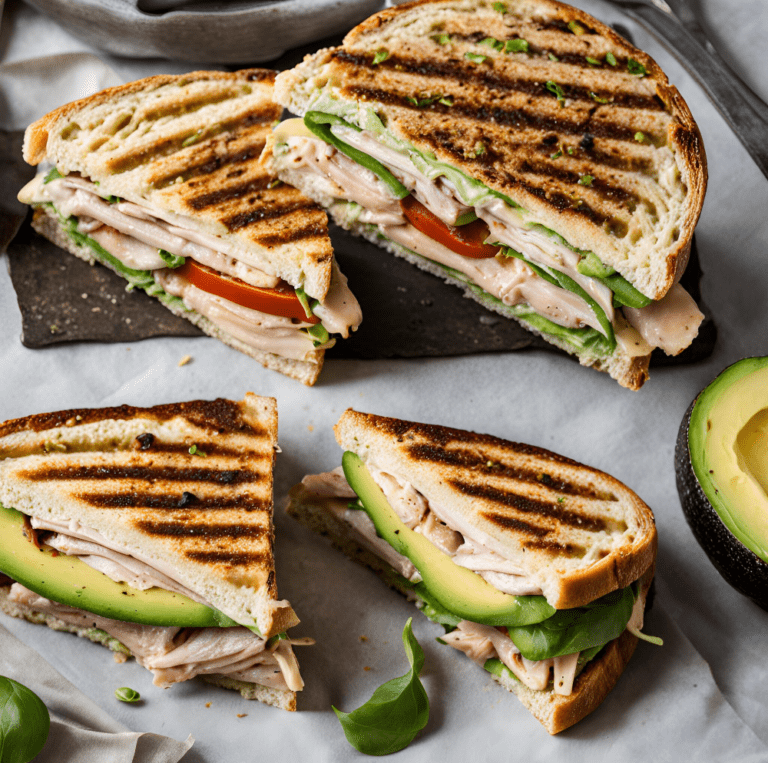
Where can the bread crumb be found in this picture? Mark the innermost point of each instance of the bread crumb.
(242, 715)
(119, 657)
(207, 704)
(310, 428)
(367, 667)
(363, 638)
(186, 359)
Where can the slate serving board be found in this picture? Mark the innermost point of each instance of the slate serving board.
(407, 313)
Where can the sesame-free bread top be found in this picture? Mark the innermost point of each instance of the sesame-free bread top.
(128, 474)
(186, 147)
(577, 532)
(610, 160)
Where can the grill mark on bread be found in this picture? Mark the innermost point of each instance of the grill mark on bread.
(209, 166)
(494, 80)
(143, 473)
(221, 195)
(206, 531)
(168, 502)
(265, 214)
(241, 559)
(143, 155)
(485, 464)
(290, 234)
(555, 548)
(527, 505)
(510, 523)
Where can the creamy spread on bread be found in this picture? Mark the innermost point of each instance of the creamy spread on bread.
(670, 323)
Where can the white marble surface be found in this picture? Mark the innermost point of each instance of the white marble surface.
(703, 696)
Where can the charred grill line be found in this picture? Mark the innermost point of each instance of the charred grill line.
(206, 531)
(253, 216)
(145, 473)
(510, 523)
(241, 559)
(485, 464)
(209, 448)
(556, 548)
(289, 235)
(228, 194)
(527, 505)
(174, 502)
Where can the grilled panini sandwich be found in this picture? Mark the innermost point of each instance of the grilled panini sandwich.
(149, 530)
(537, 566)
(521, 150)
(159, 180)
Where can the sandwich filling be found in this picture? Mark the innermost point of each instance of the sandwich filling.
(197, 272)
(172, 654)
(504, 651)
(428, 210)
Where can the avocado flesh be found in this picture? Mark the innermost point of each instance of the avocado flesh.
(67, 580)
(459, 590)
(728, 440)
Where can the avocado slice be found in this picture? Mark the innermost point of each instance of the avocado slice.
(67, 580)
(459, 590)
(721, 462)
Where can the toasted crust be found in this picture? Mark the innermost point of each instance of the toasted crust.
(554, 711)
(282, 698)
(128, 474)
(578, 532)
(187, 147)
(639, 210)
(631, 371)
(46, 223)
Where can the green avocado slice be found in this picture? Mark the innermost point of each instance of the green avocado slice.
(67, 580)
(459, 590)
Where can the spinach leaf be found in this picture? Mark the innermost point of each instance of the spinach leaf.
(578, 629)
(171, 260)
(396, 711)
(24, 722)
(320, 124)
(624, 293)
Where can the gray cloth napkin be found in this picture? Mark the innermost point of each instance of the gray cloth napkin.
(81, 732)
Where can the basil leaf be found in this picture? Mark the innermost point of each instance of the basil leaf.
(24, 722)
(171, 260)
(578, 629)
(396, 711)
(126, 694)
(320, 124)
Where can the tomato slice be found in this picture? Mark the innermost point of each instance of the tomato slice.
(281, 300)
(466, 240)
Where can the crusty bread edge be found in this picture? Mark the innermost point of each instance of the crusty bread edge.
(46, 224)
(557, 712)
(684, 134)
(285, 699)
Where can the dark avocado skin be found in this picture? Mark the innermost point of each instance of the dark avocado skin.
(740, 567)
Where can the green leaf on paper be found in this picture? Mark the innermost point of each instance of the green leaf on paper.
(24, 722)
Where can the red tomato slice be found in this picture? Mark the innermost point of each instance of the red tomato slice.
(281, 300)
(466, 240)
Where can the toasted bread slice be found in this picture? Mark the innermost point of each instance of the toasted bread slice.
(540, 102)
(187, 485)
(578, 533)
(187, 147)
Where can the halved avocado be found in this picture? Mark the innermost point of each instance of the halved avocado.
(459, 590)
(721, 462)
(67, 580)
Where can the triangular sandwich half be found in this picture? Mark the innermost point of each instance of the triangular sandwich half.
(160, 180)
(150, 530)
(537, 566)
(521, 150)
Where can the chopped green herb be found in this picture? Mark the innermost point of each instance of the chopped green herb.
(553, 87)
(610, 58)
(381, 55)
(192, 139)
(560, 499)
(639, 137)
(596, 97)
(576, 28)
(53, 174)
(412, 100)
(195, 451)
(570, 150)
(556, 155)
(275, 184)
(126, 694)
(476, 58)
(479, 148)
(516, 46)
(500, 7)
(586, 180)
(552, 57)
(636, 68)
(442, 39)
(446, 100)
(492, 42)
(593, 61)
